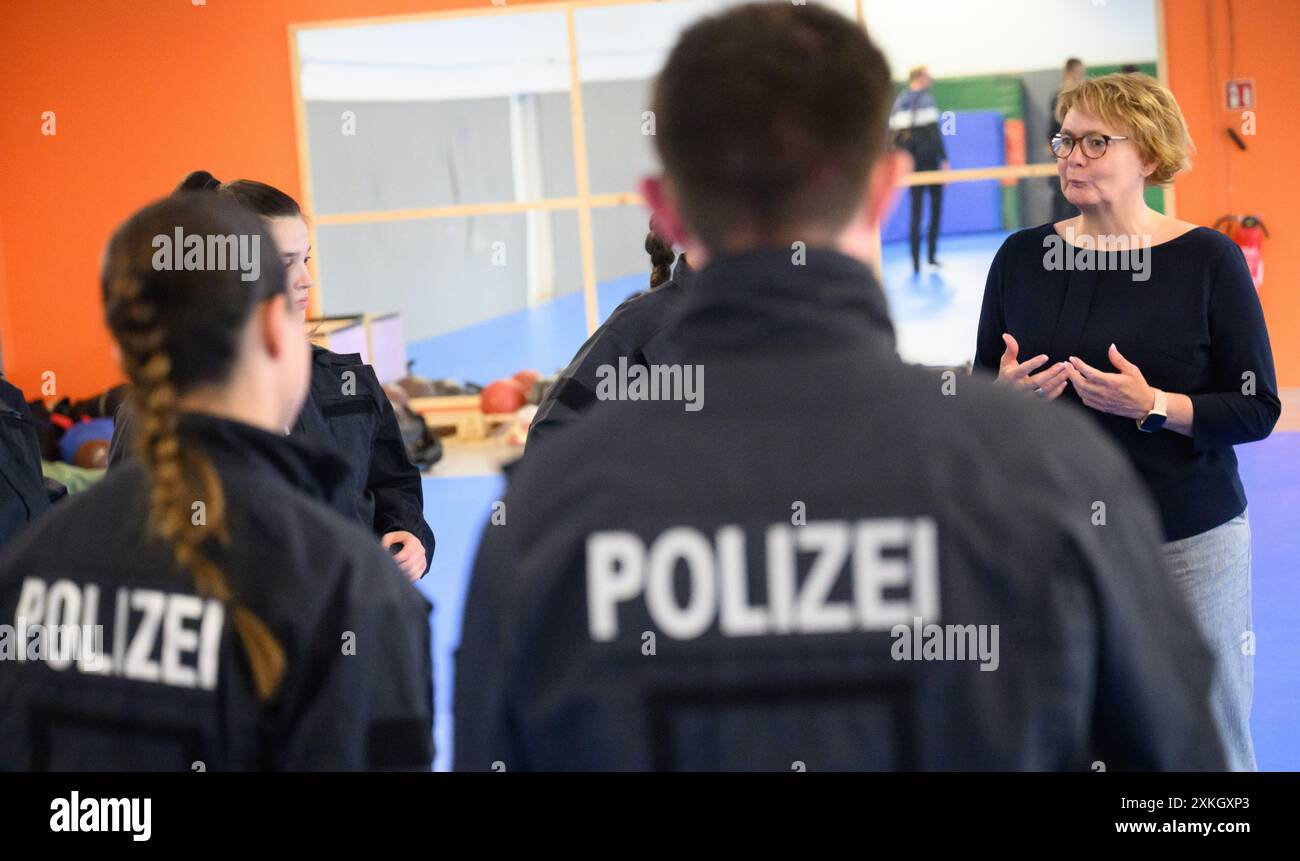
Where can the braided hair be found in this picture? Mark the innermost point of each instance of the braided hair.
(178, 329)
(661, 257)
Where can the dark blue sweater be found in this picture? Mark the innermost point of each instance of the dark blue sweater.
(1194, 327)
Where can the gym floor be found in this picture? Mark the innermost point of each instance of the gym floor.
(935, 313)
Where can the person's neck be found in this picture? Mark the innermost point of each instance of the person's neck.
(697, 256)
(1132, 218)
(810, 240)
(861, 245)
(241, 401)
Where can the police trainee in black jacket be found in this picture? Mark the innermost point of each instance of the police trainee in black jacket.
(22, 489)
(169, 687)
(346, 412)
(841, 561)
(245, 623)
(825, 494)
(632, 333)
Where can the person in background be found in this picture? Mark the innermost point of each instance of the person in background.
(23, 495)
(1073, 74)
(346, 410)
(1161, 344)
(914, 122)
(246, 624)
(634, 331)
(746, 586)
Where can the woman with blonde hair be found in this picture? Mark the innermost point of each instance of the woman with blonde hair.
(1152, 325)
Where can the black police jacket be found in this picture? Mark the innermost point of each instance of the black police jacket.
(632, 332)
(167, 685)
(346, 412)
(838, 561)
(22, 489)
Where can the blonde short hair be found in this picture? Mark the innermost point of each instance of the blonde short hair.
(1146, 111)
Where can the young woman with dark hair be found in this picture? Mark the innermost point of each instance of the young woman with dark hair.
(346, 410)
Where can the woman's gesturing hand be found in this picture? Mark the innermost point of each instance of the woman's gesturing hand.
(1019, 375)
(1124, 394)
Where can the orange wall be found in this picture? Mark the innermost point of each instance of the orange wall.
(1263, 180)
(147, 90)
(144, 91)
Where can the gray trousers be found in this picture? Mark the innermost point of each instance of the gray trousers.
(1213, 571)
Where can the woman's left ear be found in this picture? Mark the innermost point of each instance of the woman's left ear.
(276, 323)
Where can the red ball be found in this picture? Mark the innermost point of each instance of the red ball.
(502, 396)
(92, 454)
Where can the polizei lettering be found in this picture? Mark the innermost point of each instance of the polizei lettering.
(891, 563)
(170, 638)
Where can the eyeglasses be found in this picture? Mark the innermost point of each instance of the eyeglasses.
(1094, 146)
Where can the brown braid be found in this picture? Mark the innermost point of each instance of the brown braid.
(179, 474)
(661, 258)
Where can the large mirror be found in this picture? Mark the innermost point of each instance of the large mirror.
(428, 143)
(456, 179)
(996, 68)
(472, 181)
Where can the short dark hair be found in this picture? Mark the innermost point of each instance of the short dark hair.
(1072, 64)
(769, 119)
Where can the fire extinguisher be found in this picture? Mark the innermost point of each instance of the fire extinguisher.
(1249, 234)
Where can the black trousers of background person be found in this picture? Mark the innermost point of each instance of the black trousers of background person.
(914, 234)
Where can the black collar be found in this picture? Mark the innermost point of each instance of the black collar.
(325, 358)
(314, 471)
(821, 298)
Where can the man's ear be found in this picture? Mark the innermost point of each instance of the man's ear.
(883, 188)
(659, 198)
(273, 322)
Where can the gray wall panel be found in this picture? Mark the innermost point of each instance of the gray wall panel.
(410, 154)
(438, 273)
